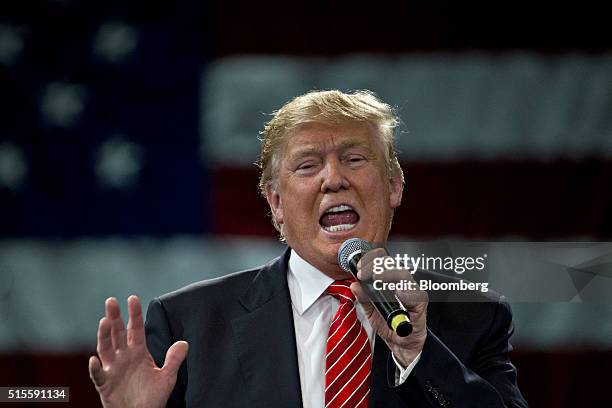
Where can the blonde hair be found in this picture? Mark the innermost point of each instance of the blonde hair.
(331, 107)
(326, 107)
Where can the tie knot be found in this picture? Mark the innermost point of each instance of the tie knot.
(341, 290)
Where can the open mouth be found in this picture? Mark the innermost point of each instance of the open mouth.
(339, 218)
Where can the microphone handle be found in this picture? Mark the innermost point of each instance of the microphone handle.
(387, 304)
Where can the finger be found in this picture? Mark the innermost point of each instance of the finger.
(135, 328)
(360, 294)
(118, 332)
(394, 275)
(375, 318)
(175, 356)
(105, 348)
(366, 263)
(412, 298)
(96, 373)
(362, 298)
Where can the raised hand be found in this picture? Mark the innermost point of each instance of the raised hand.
(124, 372)
(405, 349)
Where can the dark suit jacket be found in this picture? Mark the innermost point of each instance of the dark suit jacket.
(242, 349)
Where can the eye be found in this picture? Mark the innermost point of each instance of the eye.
(306, 167)
(355, 159)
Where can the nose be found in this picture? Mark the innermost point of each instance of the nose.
(334, 178)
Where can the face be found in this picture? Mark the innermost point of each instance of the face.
(332, 185)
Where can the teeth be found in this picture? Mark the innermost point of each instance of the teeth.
(341, 227)
(339, 208)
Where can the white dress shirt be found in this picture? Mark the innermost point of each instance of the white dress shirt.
(312, 315)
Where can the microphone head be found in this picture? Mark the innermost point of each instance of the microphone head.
(350, 248)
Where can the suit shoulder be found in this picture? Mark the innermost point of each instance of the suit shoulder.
(213, 290)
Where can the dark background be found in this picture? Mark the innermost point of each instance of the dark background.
(155, 93)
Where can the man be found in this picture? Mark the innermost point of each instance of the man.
(288, 334)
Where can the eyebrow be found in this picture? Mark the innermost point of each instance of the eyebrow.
(344, 145)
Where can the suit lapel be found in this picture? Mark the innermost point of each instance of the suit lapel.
(265, 339)
(379, 387)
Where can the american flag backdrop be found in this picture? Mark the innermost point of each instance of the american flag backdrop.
(129, 132)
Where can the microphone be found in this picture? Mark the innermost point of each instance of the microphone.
(387, 304)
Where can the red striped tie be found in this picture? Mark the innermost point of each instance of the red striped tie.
(348, 360)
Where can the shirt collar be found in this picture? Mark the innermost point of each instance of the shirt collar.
(306, 283)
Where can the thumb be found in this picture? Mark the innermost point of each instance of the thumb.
(175, 356)
(96, 373)
(361, 296)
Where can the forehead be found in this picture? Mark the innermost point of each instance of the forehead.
(318, 136)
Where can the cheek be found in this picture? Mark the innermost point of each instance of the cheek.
(300, 200)
(377, 197)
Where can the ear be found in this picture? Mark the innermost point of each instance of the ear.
(275, 202)
(396, 189)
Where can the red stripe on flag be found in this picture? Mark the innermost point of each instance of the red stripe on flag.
(529, 199)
